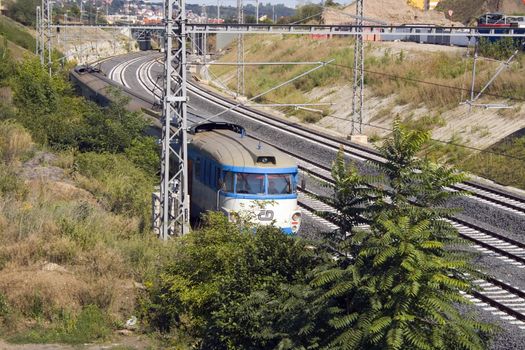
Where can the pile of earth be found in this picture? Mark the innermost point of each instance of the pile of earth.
(388, 11)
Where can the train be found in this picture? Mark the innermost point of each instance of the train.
(423, 34)
(241, 177)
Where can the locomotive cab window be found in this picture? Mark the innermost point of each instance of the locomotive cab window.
(198, 168)
(228, 182)
(280, 184)
(250, 183)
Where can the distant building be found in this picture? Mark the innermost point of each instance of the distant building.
(424, 4)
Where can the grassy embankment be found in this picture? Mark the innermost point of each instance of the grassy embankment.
(75, 182)
(73, 254)
(75, 189)
(16, 34)
(389, 74)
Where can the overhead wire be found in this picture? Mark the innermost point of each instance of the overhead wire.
(419, 81)
(457, 88)
(451, 143)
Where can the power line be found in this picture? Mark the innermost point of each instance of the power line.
(393, 76)
(439, 141)
(432, 139)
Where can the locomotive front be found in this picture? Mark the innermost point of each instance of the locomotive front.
(262, 195)
(243, 178)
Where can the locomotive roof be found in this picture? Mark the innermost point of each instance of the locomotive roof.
(230, 148)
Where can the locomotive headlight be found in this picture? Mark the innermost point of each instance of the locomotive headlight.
(296, 217)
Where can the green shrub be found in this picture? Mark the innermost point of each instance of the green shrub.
(144, 152)
(500, 49)
(16, 33)
(225, 286)
(119, 184)
(90, 325)
(47, 107)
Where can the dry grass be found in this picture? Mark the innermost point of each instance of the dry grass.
(387, 73)
(15, 142)
(62, 249)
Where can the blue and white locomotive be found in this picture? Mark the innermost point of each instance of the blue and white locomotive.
(232, 173)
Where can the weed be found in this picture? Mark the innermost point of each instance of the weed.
(424, 123)
(15, 142)
(90, 325)
(381, 114)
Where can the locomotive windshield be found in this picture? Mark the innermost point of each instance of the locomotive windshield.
(248, 183)
(279, 184)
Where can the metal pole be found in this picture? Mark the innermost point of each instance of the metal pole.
(38, 48)
(46, 33)
(174, 196)
(240, 51)
(498, 72)
(472, 86)
(357, 97)
(257, 11)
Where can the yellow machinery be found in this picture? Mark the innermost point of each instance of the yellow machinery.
(423, 4)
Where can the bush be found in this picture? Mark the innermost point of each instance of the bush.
(225, 286)
(144, 152)
(15, 142)
(90, 325)
(54, 116)
(119, 184)
(500, 49)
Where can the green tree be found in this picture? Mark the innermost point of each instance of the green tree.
(397, 287)
(353, 197)
(308, 12)
(23, 11)
(402, 292)
(414, 187)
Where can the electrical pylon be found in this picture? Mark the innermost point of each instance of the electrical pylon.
(39, 49)
(46, 33)
(359, 76)
(240, 51)
(173, 201)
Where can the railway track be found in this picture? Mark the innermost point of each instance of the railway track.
(492, 195)
(482, 238)
(493, 295)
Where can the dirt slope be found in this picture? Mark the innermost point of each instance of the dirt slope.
(467, 11)
(389, 11)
